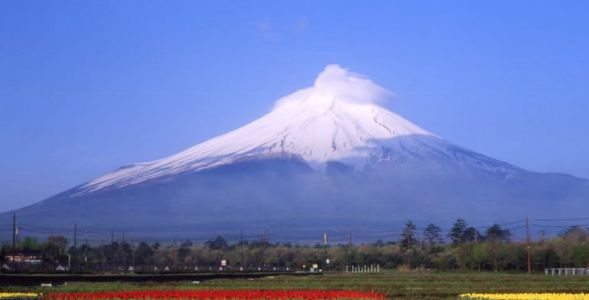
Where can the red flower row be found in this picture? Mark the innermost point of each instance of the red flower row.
(218, 294)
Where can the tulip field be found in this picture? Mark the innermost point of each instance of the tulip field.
(217, 294)
(198, 294)
(525, 296)
(385, 285)
(19, 295)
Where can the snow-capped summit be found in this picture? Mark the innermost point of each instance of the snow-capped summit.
(339, 119)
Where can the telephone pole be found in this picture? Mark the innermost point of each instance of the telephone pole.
(351, 256)
(350, 240)
(14, 233)
(85, 247)
(75, 248)
(112, 251)
(528, 246)
(241, 249)
(409, 251)
(325, 250)
(75, 236)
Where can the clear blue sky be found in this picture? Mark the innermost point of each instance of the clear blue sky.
(88, 86)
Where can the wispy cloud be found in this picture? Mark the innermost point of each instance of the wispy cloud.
(276, 30)
(266, 29)
(301, 24)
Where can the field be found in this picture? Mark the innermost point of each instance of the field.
(395, 285)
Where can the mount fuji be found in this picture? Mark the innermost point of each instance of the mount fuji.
(325, 158)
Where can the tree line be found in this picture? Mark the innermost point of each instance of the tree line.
(463, 248)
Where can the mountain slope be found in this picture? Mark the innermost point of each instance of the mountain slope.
(335, 120)
(326, 157)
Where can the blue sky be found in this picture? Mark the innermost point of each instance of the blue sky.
(88, 86)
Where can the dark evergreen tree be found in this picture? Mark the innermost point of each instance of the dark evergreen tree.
(496, 233)
(217, 243)
(408, 235)
(433, 235)
(470, 235)
(457, 231)
(143, 254)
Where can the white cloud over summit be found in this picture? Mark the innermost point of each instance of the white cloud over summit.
(341, 85)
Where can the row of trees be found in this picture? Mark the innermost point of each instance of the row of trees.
(466, 249)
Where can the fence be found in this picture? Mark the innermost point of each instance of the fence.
(567, 271)
(363, 269)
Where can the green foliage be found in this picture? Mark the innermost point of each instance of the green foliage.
(433, 235)
(217, 243)
(580, 255)
(494, 251)
(497, 234)
(408, 236)
(30, 243)
(144, 254)
(457, 231)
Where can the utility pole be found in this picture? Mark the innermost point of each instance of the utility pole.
(325, 250)
(476, 236)
(528, 246)
(102, 255)
(75, 248)
(350, 249)
(111, 250)
(543, 246)
(85, 249)
(124, 260)
(409, 251)
(14, 233)
(350, 241)
(132, 246)
(241, 249)
(75, 236)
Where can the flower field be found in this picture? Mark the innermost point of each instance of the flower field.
(217, 294)
(526, 296)
(395, 285)
(8, 295)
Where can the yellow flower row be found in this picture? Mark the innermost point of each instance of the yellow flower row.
(5, 295)
(527, 296)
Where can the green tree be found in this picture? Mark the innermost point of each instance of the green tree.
(408, 240)
(217, 243)
(184, 252)
(470, 235)
(433, 235)
(408, 236)
(457, 231)
(478, 255)
(580, 255)
(53, 252)
(497, 234)
(30, 243)
(143, 254)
